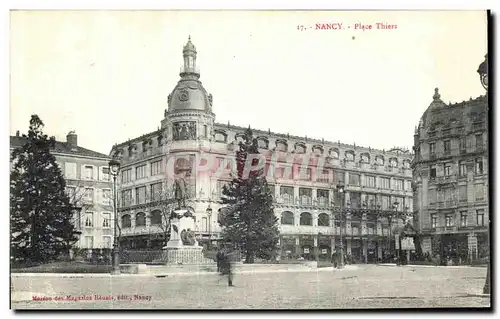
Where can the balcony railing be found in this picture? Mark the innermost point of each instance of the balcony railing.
(446, 229)
(445, 179)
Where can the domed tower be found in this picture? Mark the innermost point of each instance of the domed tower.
(189, 115)
(187, 128)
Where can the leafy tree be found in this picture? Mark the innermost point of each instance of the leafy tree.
(249, 219)
(41, 212)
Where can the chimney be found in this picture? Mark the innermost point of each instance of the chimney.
(72, 139)
(17, 133)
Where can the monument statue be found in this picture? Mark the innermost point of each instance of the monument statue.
(184, 131)
(187, 237)
(181, 191)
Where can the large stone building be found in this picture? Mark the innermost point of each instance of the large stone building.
(303, 172)
(88, 184)
(450, 172)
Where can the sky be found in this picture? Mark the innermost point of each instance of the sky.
(107, 74)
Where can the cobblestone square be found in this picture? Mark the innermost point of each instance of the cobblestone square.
(366, 286)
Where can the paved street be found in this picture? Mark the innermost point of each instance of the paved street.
(365, 287)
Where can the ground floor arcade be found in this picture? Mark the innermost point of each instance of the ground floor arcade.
(358, 249)
(457, 247)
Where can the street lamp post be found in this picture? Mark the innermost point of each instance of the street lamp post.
(114, 167)
(379, 242)
(483, 77)
(340, 188)
(397, 247)
(209, 214)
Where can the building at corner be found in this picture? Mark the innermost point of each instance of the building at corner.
(304, 190)
(86, 173)
(450, 172)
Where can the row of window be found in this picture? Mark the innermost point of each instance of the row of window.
(155, 219)
(450, 219)
(91, 219)
(357, 200)
(143, 194)
(88, 194)
(156, 168)
(306, 219)
(301, 148)
(88, 242)
(447, 130)
(447, 147)
(449, 194)
(462, 169)
(140, 219)
(88, 172)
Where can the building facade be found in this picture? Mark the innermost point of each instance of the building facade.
(450, 172)
(303, 172)
(88, 184)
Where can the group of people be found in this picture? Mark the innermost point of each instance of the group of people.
(223, 258)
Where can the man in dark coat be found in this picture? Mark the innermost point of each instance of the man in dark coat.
(225, 266)
(334, 259)
(218, 258)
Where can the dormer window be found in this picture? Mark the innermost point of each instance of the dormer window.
(379, 160)
(317, 149)
(334, 153)
(365, 158)
(262, 143)
(300, 148)
(220, 136)
(239, 138)
(393, 162)
(349, 156)
(281, 146)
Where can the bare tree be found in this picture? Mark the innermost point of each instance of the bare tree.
(165, 203)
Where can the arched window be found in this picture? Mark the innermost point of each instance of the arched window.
(126, 221)
(379, 159)
(281, 146)
(393, 162)
(140, 219)
(334, 152)
(317, 149)
(323, 220)
(349, 156)
(300, 148)
(406, 163)
(365, 158)
(306, 219)
(287, 218)
(262, 142)
(220, 136)
(156, 217)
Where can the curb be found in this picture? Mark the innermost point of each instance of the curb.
(178, 274)
(431, 266)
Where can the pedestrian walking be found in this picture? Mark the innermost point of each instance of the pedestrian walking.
(226, 266)
(218, 258)
(334, 259)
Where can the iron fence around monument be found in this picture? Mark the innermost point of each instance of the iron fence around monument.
(143, 256)
(160, 256)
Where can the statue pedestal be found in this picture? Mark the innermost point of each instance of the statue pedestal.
(182, 248)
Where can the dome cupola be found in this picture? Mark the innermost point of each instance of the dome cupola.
(189, 93)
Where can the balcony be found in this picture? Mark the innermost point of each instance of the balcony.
(446, 229)
(449, 204)
(184, 69)
(445, 179)
(143, 155)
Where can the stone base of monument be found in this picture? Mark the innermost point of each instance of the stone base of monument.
(182, 248)
(186, 255)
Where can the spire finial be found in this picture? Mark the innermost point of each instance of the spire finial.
(436, 96)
